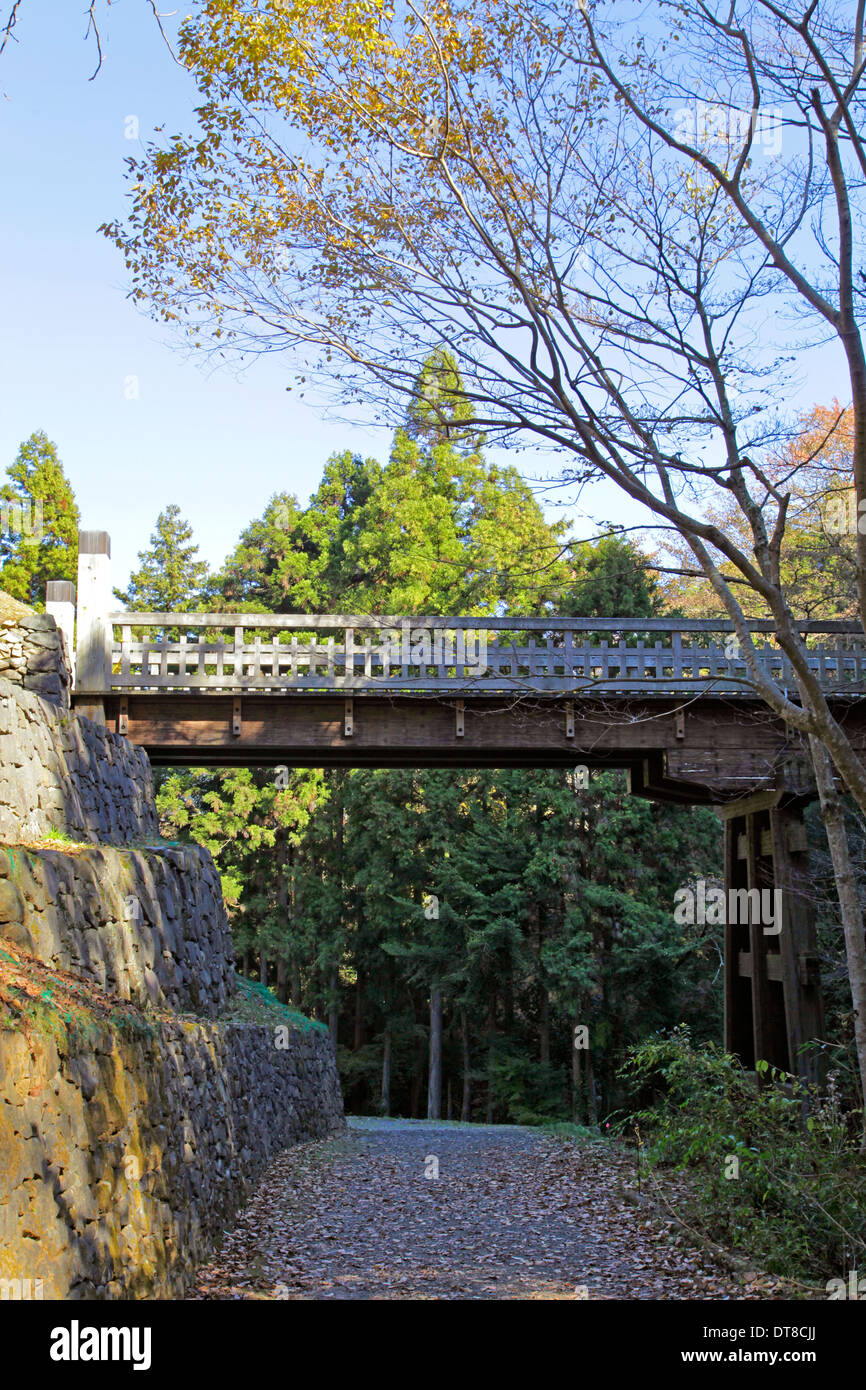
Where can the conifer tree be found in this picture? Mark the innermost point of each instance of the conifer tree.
(38, 522)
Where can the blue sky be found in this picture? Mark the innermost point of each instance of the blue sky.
(217, 444)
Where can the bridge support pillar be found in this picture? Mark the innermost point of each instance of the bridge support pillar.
(773, 999)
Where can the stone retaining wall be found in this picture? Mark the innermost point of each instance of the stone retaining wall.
(33, 656)
(143, 925)
(126, 1146)
(122, 1163)
(62, 772)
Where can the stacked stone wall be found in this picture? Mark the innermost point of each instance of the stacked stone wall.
(61, 773)
(125, 1150)
(148, 926)
(123, 1162)
(33, 656)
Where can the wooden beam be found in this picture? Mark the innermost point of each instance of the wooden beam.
(773, 964)
(569, 719)
(314, 621)
(761, 1006)
(760, 801)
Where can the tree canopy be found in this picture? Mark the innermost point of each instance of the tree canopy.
(39, 531)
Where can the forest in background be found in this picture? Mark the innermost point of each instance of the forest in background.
(455, 929)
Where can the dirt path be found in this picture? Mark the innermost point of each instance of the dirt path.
(513, 1213)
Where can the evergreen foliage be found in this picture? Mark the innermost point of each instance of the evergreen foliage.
(39, 530)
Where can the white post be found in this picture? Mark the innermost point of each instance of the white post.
(93, 644)
(60, 603)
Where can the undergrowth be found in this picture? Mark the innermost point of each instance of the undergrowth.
(37, 999)
(253, 1002)
(774, 1166)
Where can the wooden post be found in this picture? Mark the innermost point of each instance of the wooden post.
(60, 603)
(739, 1036)
(773, 1002)
(93, 638)
(804, 1006)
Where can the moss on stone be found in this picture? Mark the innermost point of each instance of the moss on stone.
(253, 1002)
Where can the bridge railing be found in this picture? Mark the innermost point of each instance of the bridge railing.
(231, 652)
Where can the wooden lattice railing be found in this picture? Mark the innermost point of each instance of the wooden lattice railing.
(231, 652)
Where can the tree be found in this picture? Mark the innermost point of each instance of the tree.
(439, 410)
(818, 554)
(453, 927)
(610, 576)
(170, 579)
(541, 189)
(294, 559)
(39, 527)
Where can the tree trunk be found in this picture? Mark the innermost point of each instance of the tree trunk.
(434, 1087)
(466, 1108)
(577, 1107)
(508, 1006)
(283, 912)
(417, 1081)
(544, 1026)
(543, 995)
(385, 1101)
(592, 1109)
(333, 984)
(833, 815)
(491, 1030)
(297, 1000)
(263, 968)
(333, 1009)
(358, 1040)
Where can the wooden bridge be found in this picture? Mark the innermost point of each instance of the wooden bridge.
(669, 700)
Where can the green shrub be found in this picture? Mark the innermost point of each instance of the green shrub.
(774, 1166)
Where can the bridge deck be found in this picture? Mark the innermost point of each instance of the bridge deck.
(669, 699)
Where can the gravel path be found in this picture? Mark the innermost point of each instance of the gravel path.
(513, 1213)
